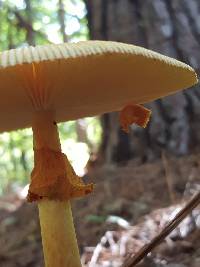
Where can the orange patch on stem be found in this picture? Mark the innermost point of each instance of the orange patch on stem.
(134, 114)
(54, 178)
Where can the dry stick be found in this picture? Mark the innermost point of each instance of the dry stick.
(133, 260)
(168, 177)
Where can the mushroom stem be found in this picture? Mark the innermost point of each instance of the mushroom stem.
(56, 221)
(58, 234)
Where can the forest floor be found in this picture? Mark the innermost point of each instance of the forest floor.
(129, 206)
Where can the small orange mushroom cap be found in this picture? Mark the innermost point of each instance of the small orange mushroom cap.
(134, 114)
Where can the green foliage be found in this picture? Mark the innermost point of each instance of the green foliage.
(42, 20)
(24, 22)
(96, 218)
(16, 157)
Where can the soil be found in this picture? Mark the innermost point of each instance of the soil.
(129, 206)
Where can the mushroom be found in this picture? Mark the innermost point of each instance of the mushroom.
(42, 85)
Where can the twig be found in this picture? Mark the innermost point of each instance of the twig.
(133, 260)
(168, 177)
(97, 252)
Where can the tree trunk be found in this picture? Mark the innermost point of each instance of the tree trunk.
(30, 34)
(61, 19)
(170, 27)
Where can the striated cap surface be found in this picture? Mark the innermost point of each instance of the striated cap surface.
(83, 79)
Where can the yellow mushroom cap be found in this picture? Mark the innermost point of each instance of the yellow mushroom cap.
(83, 79)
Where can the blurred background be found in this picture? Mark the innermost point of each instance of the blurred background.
(142, 178)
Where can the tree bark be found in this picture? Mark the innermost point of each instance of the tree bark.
(30, 34)
(61, 18)
(170, 27)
